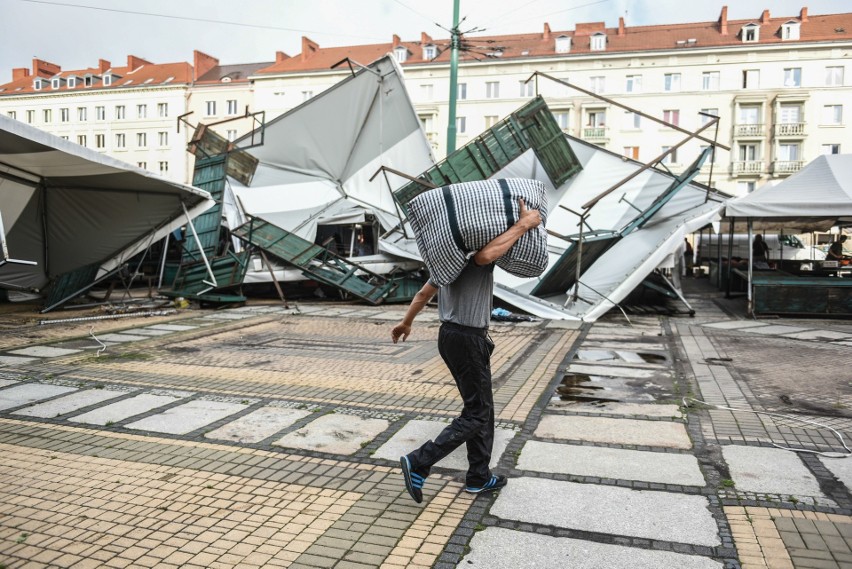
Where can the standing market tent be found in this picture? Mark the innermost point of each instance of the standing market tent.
(65, 207)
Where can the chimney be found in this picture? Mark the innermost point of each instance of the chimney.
(43, 68)
(546, 34)
(396, 40)
(621, 26)
(723, 21)
(20, 73)
(425, 39)
(134, 62)
(202, 63)
(280, 56)
(103, 65)
(803, 15)
(308, 48)
(764, 18)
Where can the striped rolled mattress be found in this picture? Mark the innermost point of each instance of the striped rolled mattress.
(453, 222)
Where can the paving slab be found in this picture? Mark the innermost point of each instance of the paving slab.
(171, 327)
(415, 433)
(565, 324)
(499, 548)
(70, 403)
(636, 346)
(147, 332)
(43, 352)
(819, 335)
(614, 431)
(777, 330)
(613, 510)
(734, 324)
(228, 316)
(15, 360)
(614, 371)
(188, 417)
(122, 337)
(336, 433)
(258, 425)
(18, 395)
(769, 471)
(619, 464)
(616, 408)
(592, 355)
(840, 467)
(7, 382)
(121, 410)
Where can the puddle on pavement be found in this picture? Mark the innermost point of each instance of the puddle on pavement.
(618, 356)
(578, 387)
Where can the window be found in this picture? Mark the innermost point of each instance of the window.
(107, 80)
(143, 165)
(598, 42)
(748, 152)
(527, 89)
(790, 114)
(672, 116)
(563, 44)
(789, 152)
(163, 138)
(141, 139)
(232, 134)
(162, 109)
(632, 120)
(211, 108)
(706, 119)
(831, 149)
(671, 82)
(64, 137)
(307, 95)
(120, 140)
(100, 141)
(81, 139)
(461, 124)
(47, 116)
(81, 113)
(751, 33)
(71, 82)
(164, 167)
(141, 111)
(30, 117)
(597, 118)
(710, 81)
(38, 84)
(55, 83)
(64, 114)
(428, 123)
(790, 31)
(13, 115)
(427, 92)
(598, 84)
(746, 187)
(401, 54)
(671, 157)
(793, 77)
(232, 106)
(832, 114)
(87, 81)
(461, 91)
(492, 89)
(119, 112)
(491, 120)
(429, 52)
(711, 158)
(634, 84)
(749, 114)
(834, 76)
(751, 79)
(562, 119)
(100, 113)
(631, 152)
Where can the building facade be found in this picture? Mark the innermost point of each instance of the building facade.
(780, 86)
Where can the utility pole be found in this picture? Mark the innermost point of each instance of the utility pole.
(455, 44)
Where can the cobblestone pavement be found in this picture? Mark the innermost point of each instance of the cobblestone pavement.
(265, 437)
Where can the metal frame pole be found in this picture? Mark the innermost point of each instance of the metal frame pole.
(454, 78)
(212, 284)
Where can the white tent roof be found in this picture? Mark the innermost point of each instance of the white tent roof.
(65, 206)
(822, 189)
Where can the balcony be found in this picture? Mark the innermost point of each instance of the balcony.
(748, 130)
(796, 129)
(595, 133)
(787, 167)
(747, 168)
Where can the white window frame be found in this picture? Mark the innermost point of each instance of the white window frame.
(64, 114)
(210, 108)
(492, 89)
(100, 141)
(786, 114)
(751, 78)
(461, 125)
(142, 165)
(38, 83)
(792, 77)
(429, 52)
(81, 139)
(30, 116)
(633, 84)
(789, 151)
(597, 84)
(527, 88)
(232, 107)
(120, 140)
(632, 121)
(120, 112)
(107, 80)
(100, 113)
(461, 91)
(597, 42)
(13, 115)
(832, 115)
(55, 83)
(141, 140)
(750, 33)
(142, 111)
(834, 75)
(491, 120)
(47, 116)
(162, 138)
(563, 119)
(401, 54)
(163, 166)
(670, 158)
(71, 82)
(563, 44)
(82, 114)
(710, 80)
(162, 110)
(790, 31)
(231, 134)
(672, 116)
(671, 82)
(829, 149)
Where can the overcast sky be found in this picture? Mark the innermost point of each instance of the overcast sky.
(76, 33)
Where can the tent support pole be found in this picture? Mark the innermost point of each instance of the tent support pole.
(750, 310)
(677, 292)
(81, 291)
(163, 260)
(212, 283)
(274, 280)
(730, 260)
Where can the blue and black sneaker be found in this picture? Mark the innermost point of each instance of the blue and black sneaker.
(413, 481)
(494, 483)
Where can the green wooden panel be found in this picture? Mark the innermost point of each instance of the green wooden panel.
(209, 175)
(229, 271)
(68, 283)
(562, 276)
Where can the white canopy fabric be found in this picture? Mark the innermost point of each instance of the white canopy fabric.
(65, 206)
(317, 159)
(820, 190)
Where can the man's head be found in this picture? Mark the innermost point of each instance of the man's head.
(842, 238)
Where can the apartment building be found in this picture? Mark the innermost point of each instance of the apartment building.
(780, 86)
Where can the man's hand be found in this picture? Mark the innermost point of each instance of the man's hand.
(529, 217)
(402, 329)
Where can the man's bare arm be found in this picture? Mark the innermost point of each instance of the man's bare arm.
(498, 246)
(423, 296)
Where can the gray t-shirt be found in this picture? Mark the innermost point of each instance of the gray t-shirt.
(468, 299)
